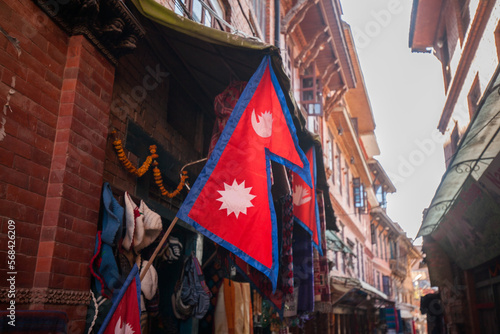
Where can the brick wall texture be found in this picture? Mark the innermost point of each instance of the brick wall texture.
(52, 155)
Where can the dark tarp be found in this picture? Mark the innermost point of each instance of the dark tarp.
(205, 60)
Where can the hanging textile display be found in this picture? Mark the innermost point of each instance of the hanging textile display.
(233, 313)
(324, 282)
(143, 225)
(286, 255)
(149, 290)
(261, 283)
(303, 269)
(103, 264)
(192, 296)
(224, 104)
(322, 219)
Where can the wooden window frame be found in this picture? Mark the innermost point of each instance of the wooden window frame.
(474, 96)
(314, 105)
(259, 9)
(497, 40)
(338, 165)
(331, 155)
(346, 179)
(463, 18)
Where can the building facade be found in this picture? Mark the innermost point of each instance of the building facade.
(464, 37)
(88, 87)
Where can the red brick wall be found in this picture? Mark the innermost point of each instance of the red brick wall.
(52, 156)
(25, 152)
(72, 199)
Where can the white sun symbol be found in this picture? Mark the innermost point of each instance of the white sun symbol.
(235, 198)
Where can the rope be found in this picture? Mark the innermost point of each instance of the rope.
(97, 303)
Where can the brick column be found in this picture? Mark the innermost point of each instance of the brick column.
(70, 217)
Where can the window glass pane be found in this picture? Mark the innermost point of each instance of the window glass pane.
(307, 95)
(197, 10)
(310, 124)
(307, 83)
(314, 109)
(381, 196)
(260, 11)
(178, 7)
(208, 19)
(356, 192)
(317, 109)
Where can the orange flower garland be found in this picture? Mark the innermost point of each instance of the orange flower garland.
(117, 143)
(159, 182)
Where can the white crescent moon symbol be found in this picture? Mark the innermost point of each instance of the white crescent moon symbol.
(264, 126)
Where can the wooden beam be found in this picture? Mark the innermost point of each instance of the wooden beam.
(327, 82)
(329, 69)
(299, 59)
(332, 101)
(316, 50)
(296, 15)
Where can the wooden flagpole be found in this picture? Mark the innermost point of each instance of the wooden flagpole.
(162, 241)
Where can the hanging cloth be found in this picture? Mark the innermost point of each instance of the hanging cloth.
(103, 264)
(286, 247)
(303, 268)
(323, 260)
(223, 105)
(233, 313)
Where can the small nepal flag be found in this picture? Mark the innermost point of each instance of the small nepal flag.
(231, 201)
(305, 205)
(124, 317)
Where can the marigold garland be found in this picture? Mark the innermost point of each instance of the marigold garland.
(159, 182)
(117, 143)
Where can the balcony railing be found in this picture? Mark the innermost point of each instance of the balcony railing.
(398, 268)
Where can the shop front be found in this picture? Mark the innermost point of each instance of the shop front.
(201, 74)
(357, 307)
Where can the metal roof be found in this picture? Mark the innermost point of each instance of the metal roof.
(478, 147)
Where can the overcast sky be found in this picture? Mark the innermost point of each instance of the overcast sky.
(407, 95)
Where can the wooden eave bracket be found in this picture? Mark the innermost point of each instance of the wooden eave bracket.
(108, 24)
(296, 15)
(316, 50)
(299, 60)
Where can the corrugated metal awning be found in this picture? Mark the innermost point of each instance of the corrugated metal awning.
(336, 244)
(478, 148)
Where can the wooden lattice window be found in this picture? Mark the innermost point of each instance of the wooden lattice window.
(310, 92)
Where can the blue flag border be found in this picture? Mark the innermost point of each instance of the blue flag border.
(134, 273)
(212, 162)
(316, 207)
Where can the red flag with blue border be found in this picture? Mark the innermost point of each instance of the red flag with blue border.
(231, 201)
(125, 313)
(305, 204)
